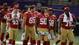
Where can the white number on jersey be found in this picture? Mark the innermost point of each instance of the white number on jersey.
(51, 22)
(32, 20)
(43, 21)
(15, 22)
(69, 23)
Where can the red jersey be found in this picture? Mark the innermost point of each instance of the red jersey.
(13, 21)
(52, 21)
(42, 21)
(66, 25)
(30, 18)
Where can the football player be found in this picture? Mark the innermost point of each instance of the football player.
(67, 24)
(29, 22)
(3, 21)
(52, 24)
(52, 20)
(42, 27)
(7, 22)
(1, 14)
(13, 19)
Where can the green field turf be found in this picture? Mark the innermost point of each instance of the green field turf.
(77, 40)
(21, 31)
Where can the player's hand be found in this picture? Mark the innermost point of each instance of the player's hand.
(51, 31)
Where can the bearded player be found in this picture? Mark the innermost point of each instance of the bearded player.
(67, 24)
(13, 19)
(29, 22)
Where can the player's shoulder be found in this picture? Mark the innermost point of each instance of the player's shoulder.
(53, 15)
(8, 14)
(26, 12)
(73, 15)
(61, 16)
(36, 12)
(41, 16)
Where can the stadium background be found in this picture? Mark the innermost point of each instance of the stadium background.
(56, 4)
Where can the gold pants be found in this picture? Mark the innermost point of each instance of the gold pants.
(13, 33)
(43, 31)
(2, 28)
(29, 32)
(67, 34)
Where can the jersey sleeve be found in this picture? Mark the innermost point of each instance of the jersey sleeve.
(60, 17)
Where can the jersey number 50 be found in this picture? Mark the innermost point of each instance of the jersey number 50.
(43, 21)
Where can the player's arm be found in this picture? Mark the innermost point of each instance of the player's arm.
(8, 17)
(5, 16)
(48, 25)
(55, 24)
(24, 19)
(21, 20)
(74, 21)
(59, 21)
(36, 24)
